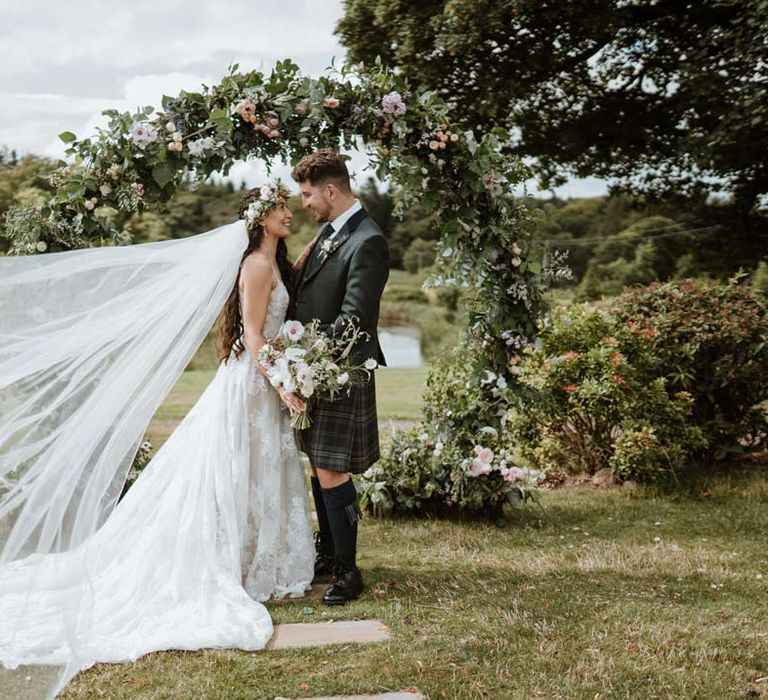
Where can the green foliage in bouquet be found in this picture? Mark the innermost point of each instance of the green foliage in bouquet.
(710, 340)
(311, 364)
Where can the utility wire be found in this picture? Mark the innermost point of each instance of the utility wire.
(564, 242)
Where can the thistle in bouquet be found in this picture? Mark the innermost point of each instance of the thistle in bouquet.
(313, 365)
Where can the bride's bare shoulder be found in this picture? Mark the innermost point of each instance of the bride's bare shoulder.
(256, 272)
(256, 265)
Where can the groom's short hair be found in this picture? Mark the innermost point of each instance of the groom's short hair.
(321, 168)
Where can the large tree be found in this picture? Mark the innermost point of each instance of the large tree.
(668, 96)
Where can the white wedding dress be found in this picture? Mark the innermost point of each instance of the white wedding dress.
(217, 522)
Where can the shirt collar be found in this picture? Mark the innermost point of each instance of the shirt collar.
(342, 219)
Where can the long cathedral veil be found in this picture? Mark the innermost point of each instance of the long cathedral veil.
(91, 341)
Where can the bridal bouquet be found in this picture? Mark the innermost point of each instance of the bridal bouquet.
(311, 364)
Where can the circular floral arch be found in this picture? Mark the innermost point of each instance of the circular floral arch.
(462, 179)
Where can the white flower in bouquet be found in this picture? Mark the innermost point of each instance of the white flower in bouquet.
(370, 363)
(322, 346)
(307, 388)
(295, 353)
(281, 373)
(293, 330)
(343, 378)
(332, 367)
(306, 378)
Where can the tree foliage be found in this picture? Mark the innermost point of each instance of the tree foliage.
(663, 94)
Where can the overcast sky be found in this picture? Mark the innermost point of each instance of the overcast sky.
(62, 63)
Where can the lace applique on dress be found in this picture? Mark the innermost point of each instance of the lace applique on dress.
(278, 540)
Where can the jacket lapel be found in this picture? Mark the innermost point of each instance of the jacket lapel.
(341, 237)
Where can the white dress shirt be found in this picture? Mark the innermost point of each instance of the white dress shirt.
(338, 223)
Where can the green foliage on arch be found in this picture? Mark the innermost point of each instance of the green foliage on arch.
(463, 180)
(138, 160)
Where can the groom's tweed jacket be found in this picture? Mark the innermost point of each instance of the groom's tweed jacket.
(346, 283)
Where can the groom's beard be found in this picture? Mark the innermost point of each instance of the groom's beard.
(322, 215)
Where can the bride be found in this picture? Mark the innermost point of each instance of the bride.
(217, 522)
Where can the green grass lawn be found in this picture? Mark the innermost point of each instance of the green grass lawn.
(612, 596)
(398, 392)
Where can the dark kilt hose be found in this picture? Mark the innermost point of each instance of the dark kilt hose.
(344, 434)
(344, 286)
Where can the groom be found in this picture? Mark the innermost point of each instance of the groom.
(342, 278)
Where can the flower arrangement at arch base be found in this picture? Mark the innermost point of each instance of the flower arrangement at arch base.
(312, 365)
(425, 475)
(462, 459)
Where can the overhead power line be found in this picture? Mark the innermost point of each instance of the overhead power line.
(562, 242)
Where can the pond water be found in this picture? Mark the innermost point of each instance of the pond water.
(401, 346)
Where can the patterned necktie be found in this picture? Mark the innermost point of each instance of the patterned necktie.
(326, 231)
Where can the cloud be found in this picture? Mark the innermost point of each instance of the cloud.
(573, 189)
(61, 64)
(47, 115)
(166, 34)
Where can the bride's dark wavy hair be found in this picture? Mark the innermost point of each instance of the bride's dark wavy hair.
(230, 326)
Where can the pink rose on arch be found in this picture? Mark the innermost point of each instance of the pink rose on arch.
(481, 464)
(393, 104)
(492, 183)
(485, 455)
(331, 102)
(512, 474)
(478, 467)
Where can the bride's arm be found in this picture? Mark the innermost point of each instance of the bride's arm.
(256, 278)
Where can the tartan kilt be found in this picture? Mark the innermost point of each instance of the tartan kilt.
(344, 434)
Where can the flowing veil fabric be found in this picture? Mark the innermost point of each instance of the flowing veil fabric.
(91, 342)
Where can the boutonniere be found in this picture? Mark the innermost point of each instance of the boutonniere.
(327, 247)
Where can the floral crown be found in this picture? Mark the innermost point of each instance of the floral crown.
(270, 196)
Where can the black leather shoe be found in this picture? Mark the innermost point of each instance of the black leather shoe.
(345, 587)
(325, 564)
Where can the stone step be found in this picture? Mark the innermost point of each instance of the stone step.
(305, 634)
